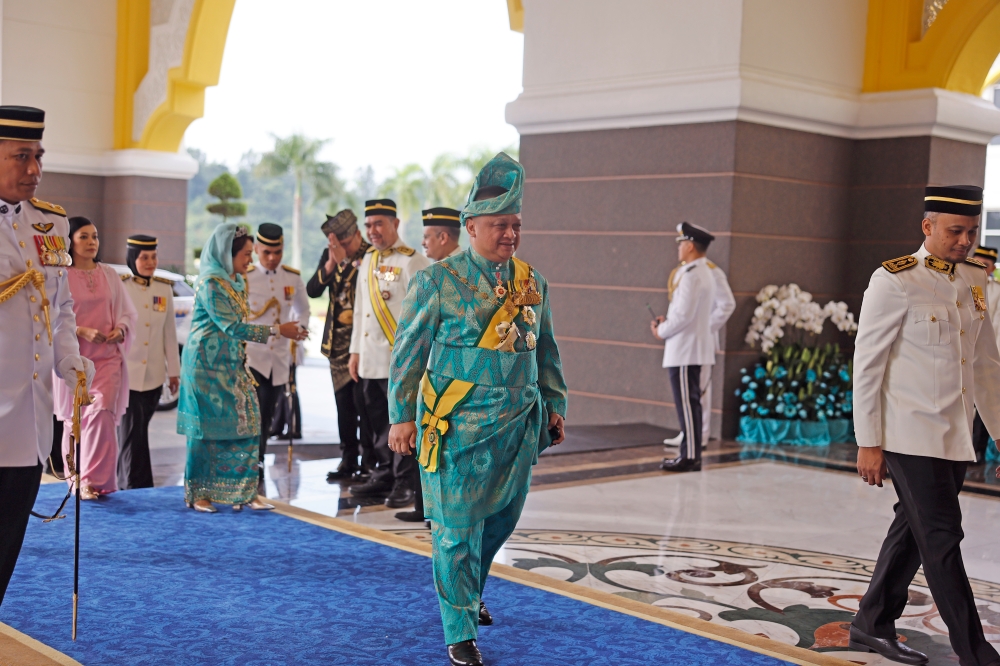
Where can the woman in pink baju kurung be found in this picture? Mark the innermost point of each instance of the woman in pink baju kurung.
(105, 320)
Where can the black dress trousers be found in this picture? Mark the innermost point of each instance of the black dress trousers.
(980, 438)
(287, 417)
(267, 397)
(927, 530)
(18, 490)
(135, 470)
(685, 381)
(390, 466)
(348, 422)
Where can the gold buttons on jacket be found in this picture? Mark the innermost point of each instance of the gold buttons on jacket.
(962, 332)
(21, 243)
(146, 306)
(147, 323)
(963, 361)
(144, 363)
(933, 318)
(32, 299)
(37, 357)
(35, 317)
(15, 226)
(958, 303)
(963, 389)
(38, 336)
(366, 334)
(34, 376)
(28, 263)
(147, 344)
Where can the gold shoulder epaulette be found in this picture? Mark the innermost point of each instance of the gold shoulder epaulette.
(163, 280)
(975, 262)
(900, 264)
(47, 207)
(407, 251)
(291, 270)
(710, 264)
(371, 248)
(125, 278)
(251, 268)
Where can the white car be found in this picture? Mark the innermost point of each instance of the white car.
(183, 309)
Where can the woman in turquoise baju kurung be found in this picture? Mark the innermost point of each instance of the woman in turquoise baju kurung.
(482, 396)
(217, 408)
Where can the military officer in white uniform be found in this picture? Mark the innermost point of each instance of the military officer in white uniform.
(690, 342)
(925, 356)
(441, 231)
(37, 325)
(276, 295)
(988, 256)
(383, 277)
(153, 357)
(722, 308)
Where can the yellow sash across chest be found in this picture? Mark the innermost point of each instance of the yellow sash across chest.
(385, 319)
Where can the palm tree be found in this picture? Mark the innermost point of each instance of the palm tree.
(443, 185)
(299, 155)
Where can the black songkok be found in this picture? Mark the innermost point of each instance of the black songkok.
(955, 199)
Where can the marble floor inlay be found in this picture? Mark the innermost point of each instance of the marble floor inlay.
(799, 597)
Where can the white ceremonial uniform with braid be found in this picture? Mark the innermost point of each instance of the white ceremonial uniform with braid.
(28, 360)
(284, 284)
(722, 308)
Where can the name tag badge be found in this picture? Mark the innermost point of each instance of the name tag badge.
(289, 293)
(53, 251)
(160, 303)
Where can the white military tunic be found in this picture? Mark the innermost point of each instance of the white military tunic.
(367, 338)
(687, 328)
(274, 358)
(924, 357)
(993, 299)
(154, 355)
(27, 360)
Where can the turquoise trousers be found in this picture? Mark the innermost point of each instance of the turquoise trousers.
(462, 559)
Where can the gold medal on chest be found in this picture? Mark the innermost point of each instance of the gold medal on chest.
(386, 295)
(53, 251)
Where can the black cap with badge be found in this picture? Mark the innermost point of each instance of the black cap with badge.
(442, 217)
(955, 200)
(691, 232)
(385, 207)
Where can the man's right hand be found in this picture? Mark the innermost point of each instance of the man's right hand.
(871, 465)
(352, 367)
(336, 255)
(653, 325)
(403, 437)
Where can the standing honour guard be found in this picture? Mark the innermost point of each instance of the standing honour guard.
(988, 256)
(690, 340)
(722, 308)
(925, 357)
(477, 389)
(338, 272)
(276, 295)
(37, 325)
(383, 278)
(153, 358)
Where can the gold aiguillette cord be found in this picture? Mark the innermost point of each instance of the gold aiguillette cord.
(15, 284)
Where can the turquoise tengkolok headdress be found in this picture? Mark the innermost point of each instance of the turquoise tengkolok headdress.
(501, 171)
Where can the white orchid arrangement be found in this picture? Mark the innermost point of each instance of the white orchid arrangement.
(789, 307)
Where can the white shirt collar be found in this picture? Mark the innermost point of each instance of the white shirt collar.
(8, 210)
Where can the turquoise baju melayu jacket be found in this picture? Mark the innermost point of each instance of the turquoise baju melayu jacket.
(481, 412)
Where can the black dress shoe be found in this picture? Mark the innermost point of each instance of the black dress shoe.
(890, 648)
(465, 654)
(399, 497)
(410, 516)
(373, 487)
(344, 472)
(485, 619)
(681, 465)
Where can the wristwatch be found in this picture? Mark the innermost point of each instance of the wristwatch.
(275, 330)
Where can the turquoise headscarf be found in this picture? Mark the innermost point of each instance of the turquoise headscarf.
(502, 170)
(217, 256)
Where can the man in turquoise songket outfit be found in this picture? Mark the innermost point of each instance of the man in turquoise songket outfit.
(476, 388)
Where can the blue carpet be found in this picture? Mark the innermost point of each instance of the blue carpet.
(161, 584)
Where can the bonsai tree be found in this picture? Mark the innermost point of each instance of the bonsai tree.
(226, 189)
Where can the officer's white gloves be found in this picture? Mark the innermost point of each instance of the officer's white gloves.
(70, 365)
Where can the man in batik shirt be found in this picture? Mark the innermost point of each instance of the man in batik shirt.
(476, 388)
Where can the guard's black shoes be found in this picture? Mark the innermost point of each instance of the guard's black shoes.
(410, 516)
(681, 465)
(344, 472)
(373, 487)
(399, 497)
(465, 654)
(485, 619)
(890, 648)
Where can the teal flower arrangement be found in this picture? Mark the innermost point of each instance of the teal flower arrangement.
(803, 383)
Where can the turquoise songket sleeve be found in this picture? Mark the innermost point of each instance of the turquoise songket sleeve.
(418, 323)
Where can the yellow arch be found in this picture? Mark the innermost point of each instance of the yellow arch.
(956, 52)
(515, 13)
(203, 50)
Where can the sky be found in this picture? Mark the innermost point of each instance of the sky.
(390, 82)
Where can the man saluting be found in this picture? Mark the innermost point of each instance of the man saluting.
(925, 357)
(477, 367)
